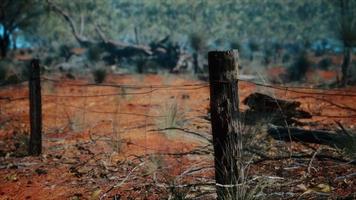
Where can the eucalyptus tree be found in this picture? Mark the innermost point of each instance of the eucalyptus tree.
(346, 32)
(136, 24)
(16, 16)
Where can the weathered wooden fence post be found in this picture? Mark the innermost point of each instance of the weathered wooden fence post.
(224, 105)
(35, 143)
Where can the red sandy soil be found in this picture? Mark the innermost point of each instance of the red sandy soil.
(94, 143)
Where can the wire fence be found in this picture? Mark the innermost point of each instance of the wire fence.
(137, 120)
(104, 97)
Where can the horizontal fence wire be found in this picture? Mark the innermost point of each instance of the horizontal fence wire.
(121, 93)
(153, 88)
(294, 89)
(101, 95)
(128, 86)
(13, 99)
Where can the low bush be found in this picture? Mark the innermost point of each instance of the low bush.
(99, 75)
(13, 72)
(325, 63)
(235, 45)
(95, 53)
(286, 58)
(64, 51)
(299, 67)
(12, 79)
(2, 74)
(198, 41)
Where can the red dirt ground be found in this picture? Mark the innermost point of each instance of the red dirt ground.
(94, 143)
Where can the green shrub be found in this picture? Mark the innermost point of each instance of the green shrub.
(70, 75)
(95, 53)
(235, 45)
(12, 79)
(144, 65)
(299, 67)
(253, 45)
(48, 61)
(99, 75)
(24, 72)
(64, 51)
(12, 72)
(267, 57)
(286, 58)
(325, 63)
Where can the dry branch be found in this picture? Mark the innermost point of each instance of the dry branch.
(329, 138)
(162, 51)
(82, 40)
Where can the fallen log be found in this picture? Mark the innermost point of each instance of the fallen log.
(332, 139)
(276, 111)
(264, 103)
(163, 52)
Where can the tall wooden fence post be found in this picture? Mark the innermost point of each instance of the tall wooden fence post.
(224, 106)
(35, 143)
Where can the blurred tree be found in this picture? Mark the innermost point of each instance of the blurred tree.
(198, 44)
(87, 19)
(234, 21)
(299, 67)
(253, 45)
(16, 15)
(231, 21)
(347, 34)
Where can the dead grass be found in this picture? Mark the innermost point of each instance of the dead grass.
(177, 176)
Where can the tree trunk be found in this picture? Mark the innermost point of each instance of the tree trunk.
(345, 65)
(14, 41)
(196, 62)
(4, 44)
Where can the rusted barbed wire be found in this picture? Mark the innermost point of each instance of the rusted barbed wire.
(10, 99)
(101, 95)
(340, 106)
(127, 86)
(293, 89)
(153, 88)
(119, 93)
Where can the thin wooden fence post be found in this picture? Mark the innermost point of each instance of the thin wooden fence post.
(224, 106)
(35, 143)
